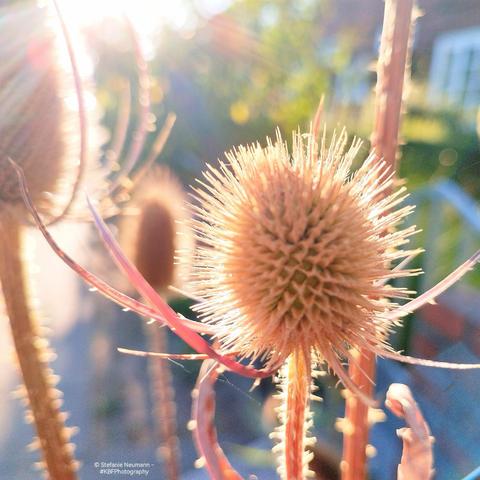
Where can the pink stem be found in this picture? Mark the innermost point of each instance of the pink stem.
(166, 356)
(204, 432)
(121, 128)
(391, 73)
(355, 441)
(297, 392)
(423, 362)
(140, 134)
(82, 117)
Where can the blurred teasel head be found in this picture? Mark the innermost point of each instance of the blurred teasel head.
(154, 227)
(297, 250)
(39, 122)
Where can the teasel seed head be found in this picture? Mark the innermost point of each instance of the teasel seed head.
(295, 248)
(154, 228)
(39, 124)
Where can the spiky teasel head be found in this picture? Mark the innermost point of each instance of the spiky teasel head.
(154, 228)
(296, 248)
(39, 123)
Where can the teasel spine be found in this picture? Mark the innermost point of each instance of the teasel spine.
(41, 396)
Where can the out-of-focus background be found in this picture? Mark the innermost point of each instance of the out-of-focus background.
(233, 71)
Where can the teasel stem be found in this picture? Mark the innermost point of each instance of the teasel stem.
(393, 69)
(391, 73)
(295, 416)
(140, 134)
(165, 412)
(82, 117)
(32, 352)
(120, 130)
(203, 425)
(355, 431)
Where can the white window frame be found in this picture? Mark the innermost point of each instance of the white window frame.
(455, 55)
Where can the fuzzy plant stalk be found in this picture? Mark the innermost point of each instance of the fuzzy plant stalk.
(294, 415)
(39, 393)
(33, 132)
(152, 232)
(391, 73)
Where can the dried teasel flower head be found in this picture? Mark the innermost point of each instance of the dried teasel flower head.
(154, 228)
(39, 123)
(297, 249)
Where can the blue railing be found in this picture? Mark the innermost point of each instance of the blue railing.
(433, 202)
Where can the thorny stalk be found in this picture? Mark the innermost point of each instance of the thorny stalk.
(295, 416)
(42, 116)
(164, 403)
(39, 394)
(391, 73)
